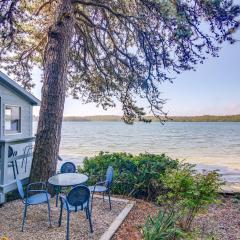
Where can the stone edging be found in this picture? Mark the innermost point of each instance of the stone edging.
(119, 219)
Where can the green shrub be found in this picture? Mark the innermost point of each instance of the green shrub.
(162, 227)
(188, 192)
(138, 176)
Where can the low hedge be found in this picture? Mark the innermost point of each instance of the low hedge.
(137, 176)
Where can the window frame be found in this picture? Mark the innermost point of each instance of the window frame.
(9, 132)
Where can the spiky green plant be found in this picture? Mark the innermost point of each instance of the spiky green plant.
(162, 227)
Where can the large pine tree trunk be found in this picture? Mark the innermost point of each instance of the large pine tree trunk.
(53, 94)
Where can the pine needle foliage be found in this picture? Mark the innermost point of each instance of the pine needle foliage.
(120, 50)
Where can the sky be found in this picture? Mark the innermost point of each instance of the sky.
(214, 88)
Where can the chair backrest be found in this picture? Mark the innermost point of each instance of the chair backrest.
(78, 196)
(20, 188)
(28, 149)
(68, 167)
(109, 176)
(11, 153)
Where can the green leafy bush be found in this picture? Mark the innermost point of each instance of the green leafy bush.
(138, 176)
(162, 227)
(188, 192)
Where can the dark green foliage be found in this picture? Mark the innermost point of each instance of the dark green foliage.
(138, 176)
(162, 227)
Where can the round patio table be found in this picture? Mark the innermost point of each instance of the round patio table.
(67, 179)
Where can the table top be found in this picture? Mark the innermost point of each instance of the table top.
(67, 179)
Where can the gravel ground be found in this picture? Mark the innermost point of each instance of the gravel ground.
(220, 221)
(37, 226)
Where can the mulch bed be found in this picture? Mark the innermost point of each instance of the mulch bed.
(37, 226)
(221, 221)
(131, 227)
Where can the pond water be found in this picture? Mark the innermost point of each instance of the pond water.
(210, 145)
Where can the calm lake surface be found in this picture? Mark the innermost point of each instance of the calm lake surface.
(209, 145)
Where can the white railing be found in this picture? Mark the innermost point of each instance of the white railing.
(18, 165)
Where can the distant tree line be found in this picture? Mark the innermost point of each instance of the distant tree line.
(116, 118)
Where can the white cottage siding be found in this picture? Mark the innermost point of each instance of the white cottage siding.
(12, 94)
(9, 97)
(30, 120)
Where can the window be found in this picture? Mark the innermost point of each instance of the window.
(12, 119)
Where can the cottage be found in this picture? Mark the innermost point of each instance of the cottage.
(16, 138)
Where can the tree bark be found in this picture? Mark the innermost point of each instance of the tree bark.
(56, 58)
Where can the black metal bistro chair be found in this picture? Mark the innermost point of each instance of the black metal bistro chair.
(67, 167)
(76, 200)
(34, 197)
(104, 187)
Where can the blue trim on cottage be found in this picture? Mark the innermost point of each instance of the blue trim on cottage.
(12, 85)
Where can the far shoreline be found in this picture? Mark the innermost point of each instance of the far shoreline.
(117, 118)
